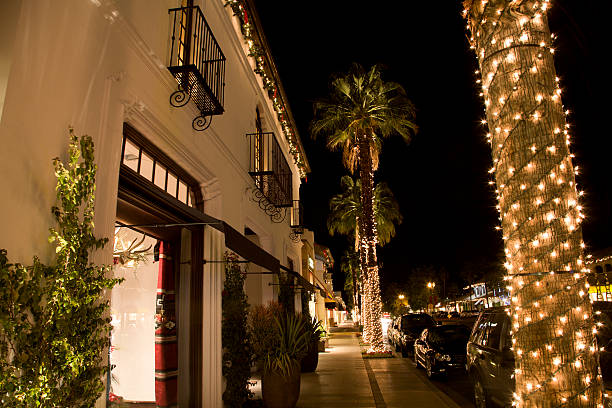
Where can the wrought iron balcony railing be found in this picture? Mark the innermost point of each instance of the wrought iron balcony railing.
(270, 170)
(197, 63)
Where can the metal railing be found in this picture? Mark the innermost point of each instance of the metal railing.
(196, 60)
(269, 169)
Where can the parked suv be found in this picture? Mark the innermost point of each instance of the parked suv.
(410, 328)
(490, 362)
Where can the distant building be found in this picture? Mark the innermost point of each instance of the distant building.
(325, 298)
(600, 276)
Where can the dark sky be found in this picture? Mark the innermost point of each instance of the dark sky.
(440, 179)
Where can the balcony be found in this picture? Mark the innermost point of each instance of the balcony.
(271, 173)
(197, 63)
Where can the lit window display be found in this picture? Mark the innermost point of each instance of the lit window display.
(142, 310)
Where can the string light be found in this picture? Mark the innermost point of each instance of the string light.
(552, 329)
(255, 50)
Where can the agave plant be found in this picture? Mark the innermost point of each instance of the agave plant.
(292, 347)
(313, 329)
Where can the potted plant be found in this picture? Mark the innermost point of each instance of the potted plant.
(262, 331)
(281, 365)
(314, 330)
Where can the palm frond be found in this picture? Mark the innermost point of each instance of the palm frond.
(361, 103)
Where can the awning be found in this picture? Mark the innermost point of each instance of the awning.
(247, 249)
(186, 217)
(330, 305)
(301, 280)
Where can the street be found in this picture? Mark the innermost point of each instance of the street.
(376, 383)
(456, 386)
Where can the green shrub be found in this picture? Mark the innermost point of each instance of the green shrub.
(237, 354)
(54, 324)
(262, 331)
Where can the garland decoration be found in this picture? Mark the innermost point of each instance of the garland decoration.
(256, 50)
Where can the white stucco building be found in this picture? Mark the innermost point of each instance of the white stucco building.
(118, 71)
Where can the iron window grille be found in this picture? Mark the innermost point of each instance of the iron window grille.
(197, 63)
(269, 169)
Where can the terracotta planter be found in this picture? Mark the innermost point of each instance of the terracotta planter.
(311, 359)
(280, 391)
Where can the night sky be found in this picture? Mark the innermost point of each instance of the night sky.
(440, 178)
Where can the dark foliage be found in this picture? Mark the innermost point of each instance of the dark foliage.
(237, 353)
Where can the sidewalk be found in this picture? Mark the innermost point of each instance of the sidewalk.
(344, 379)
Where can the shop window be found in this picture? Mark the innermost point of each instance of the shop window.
(133, 317)
(143, 352)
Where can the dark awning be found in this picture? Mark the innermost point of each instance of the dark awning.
(186, 217)
(247, 249)
(330, 305)
(300, 279)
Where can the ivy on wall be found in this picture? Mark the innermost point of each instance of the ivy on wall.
(54, 324)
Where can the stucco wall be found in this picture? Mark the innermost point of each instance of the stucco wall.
(95, 64)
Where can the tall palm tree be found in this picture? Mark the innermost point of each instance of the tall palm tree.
(539, 205)
(361, 111)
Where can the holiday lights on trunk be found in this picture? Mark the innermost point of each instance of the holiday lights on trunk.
(552, 327)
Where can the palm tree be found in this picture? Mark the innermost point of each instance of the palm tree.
(361, 111)
(539, 206)
(349, 265)
(345, 211)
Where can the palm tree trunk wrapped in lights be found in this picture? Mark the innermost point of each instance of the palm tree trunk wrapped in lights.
(346, 216)
(362, 110)
(552, 328)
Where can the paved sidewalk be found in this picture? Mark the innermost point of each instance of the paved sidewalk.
(344, 379)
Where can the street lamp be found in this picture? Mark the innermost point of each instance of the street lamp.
(401, 297)
(431, 286)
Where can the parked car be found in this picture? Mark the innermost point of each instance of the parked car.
(490, 361)
(441, 349)
(410, 328)
(453, 315)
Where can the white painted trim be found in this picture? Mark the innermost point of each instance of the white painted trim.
(212, 348)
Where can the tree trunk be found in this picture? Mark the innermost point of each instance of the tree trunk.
(555, 352)
(368, 244)
(355, 291)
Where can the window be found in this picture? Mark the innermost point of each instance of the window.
(140, 156)
(496, 325)
(482, 330)
(257, 144)
(133, 316)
